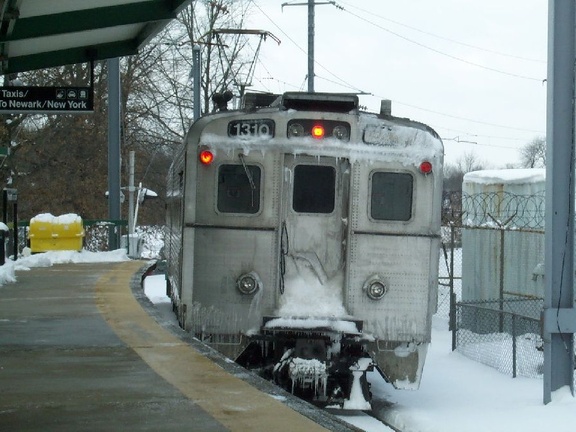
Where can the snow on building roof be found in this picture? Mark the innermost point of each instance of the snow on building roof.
(506, 176)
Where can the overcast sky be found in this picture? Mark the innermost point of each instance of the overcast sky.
(472, 70)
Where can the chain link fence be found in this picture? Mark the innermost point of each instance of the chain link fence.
(504, 333)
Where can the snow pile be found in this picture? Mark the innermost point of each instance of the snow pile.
(66, 219)
(155, 290)
(301, 283)
(47, 259)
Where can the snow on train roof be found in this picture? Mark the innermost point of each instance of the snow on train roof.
(506, 176)
(405, 141)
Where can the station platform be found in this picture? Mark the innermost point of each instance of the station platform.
(82, 349)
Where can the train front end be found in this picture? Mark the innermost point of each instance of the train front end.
(311, 240)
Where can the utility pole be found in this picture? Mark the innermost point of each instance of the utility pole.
(311, 46)
(196, 75)
(311, 4)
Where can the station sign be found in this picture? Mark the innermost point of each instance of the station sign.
(48, 100)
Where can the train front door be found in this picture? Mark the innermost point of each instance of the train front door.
(315, 211)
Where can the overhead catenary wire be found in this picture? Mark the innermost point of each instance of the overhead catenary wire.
(476, 47)
(437, 51)
(468, 119)
(347, 85)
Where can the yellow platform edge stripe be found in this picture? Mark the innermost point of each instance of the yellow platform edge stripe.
(231, 401)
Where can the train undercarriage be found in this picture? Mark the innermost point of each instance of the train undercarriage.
(321, 362)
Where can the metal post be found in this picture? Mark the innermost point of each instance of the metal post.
(113, 149)
(196, 66)
(311, 46)
(139, 197)
(15, 221)
(10, 198)
(559, 315)
(452, 316)
(501, 281)
(130, 195)
(3, 233)
(453, 319)
(514, 346)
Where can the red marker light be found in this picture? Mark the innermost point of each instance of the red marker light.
(206, 157)
(425, 167)
(318, 131)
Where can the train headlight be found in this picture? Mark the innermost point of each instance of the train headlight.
(295, 130)
(375, 288)
(248, 283)
(340, 132)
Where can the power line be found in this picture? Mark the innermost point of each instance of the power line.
(346, 84)
(476, 135)
(467, 119)
(352, 87)
(371, 13)
(453, 57)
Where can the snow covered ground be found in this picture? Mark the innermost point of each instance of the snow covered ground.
(456, 393)
(47, 259)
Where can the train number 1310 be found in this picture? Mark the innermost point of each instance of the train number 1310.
(263, 128)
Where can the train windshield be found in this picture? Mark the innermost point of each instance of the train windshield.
(314, 189)
(239, 189)
(391, 198)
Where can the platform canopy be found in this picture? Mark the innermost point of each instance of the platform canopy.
(37, 34)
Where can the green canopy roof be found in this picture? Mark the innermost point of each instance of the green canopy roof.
(36, 34)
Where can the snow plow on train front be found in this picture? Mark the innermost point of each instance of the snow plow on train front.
(321, 360)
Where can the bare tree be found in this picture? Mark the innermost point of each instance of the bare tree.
(58, 162)
(454, 173)
(227, 56)
(533, 154)
(158, 82)
(468, 162)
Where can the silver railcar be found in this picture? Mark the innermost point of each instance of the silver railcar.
(302, 241)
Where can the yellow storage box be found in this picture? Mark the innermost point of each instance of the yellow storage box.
(56, 233)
